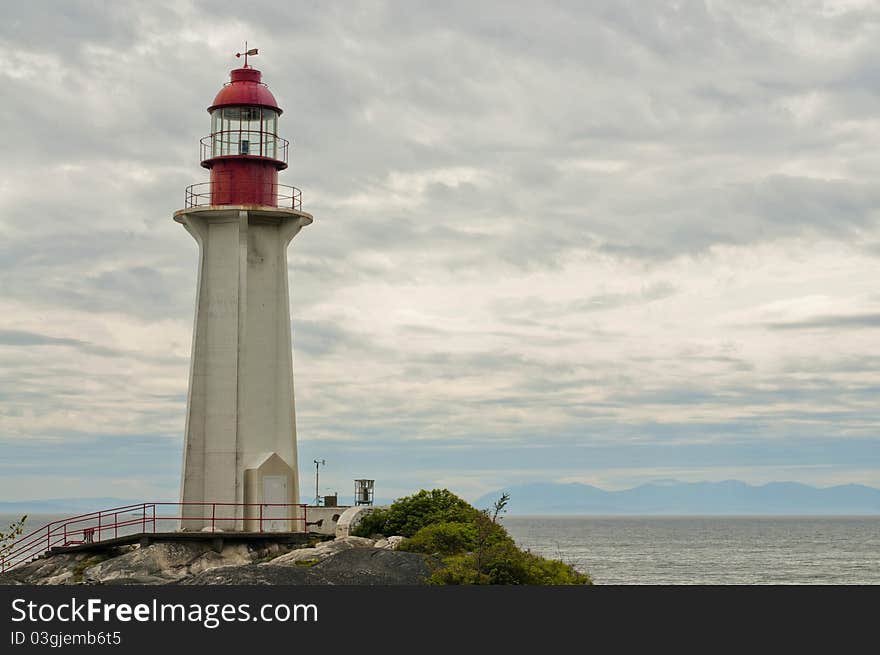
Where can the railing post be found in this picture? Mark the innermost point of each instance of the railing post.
(261, 517)
(116, 524)
(144, 523)
(99, 526)
(213, 515)
(65, 534)
(48, 538)
(154, 518)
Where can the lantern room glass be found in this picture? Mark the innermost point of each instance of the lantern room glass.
(244, 131)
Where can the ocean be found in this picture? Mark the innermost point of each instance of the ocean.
(709, 549)
(695, 550)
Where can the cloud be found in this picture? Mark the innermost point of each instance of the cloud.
(22, 338)
(578, 229)
(830, 323)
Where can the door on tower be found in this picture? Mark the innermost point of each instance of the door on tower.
(276, 516)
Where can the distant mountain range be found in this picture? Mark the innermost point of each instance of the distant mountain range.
(673, 497)
(668, 497)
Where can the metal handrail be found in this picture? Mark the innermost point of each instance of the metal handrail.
(252, 143)
(288, 197)
(71, 531)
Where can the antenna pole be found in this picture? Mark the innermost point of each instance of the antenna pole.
(318, 462)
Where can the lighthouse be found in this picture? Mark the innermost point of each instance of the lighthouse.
(239, 458)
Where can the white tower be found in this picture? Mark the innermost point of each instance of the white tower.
(239, 459)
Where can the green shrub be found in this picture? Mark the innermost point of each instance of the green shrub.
(542, 571)
(475, 547)
(442, 538)
(407, 516)
(459, 570)
(506, 565)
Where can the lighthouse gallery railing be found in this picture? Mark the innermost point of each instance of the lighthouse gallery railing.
(282, 195)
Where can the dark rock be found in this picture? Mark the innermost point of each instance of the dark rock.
(374, 566)
(256, 574)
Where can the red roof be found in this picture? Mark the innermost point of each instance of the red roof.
(245, 88)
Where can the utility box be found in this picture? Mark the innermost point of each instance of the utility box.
(331, 501)
(363, 492)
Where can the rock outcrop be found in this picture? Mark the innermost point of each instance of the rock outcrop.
(356, 566)
(65, 568)
(345, 560)
(322, 551)
(375, 566)
(390, 543)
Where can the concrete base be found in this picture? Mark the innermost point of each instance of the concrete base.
(323, 519)
(240, 412)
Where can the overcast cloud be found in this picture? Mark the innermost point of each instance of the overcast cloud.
(595, 241)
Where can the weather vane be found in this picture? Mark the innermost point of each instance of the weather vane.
(252, 51)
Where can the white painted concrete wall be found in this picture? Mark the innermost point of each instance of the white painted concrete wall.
(323, 519)
(240, 407)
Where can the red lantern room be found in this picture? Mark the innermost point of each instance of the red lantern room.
(244, 152)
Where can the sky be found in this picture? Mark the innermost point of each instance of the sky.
(604, 242)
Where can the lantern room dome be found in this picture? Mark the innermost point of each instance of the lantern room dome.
(245, 88)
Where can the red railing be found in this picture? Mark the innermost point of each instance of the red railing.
(250, 143)
(281, 195)
(143, 518)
